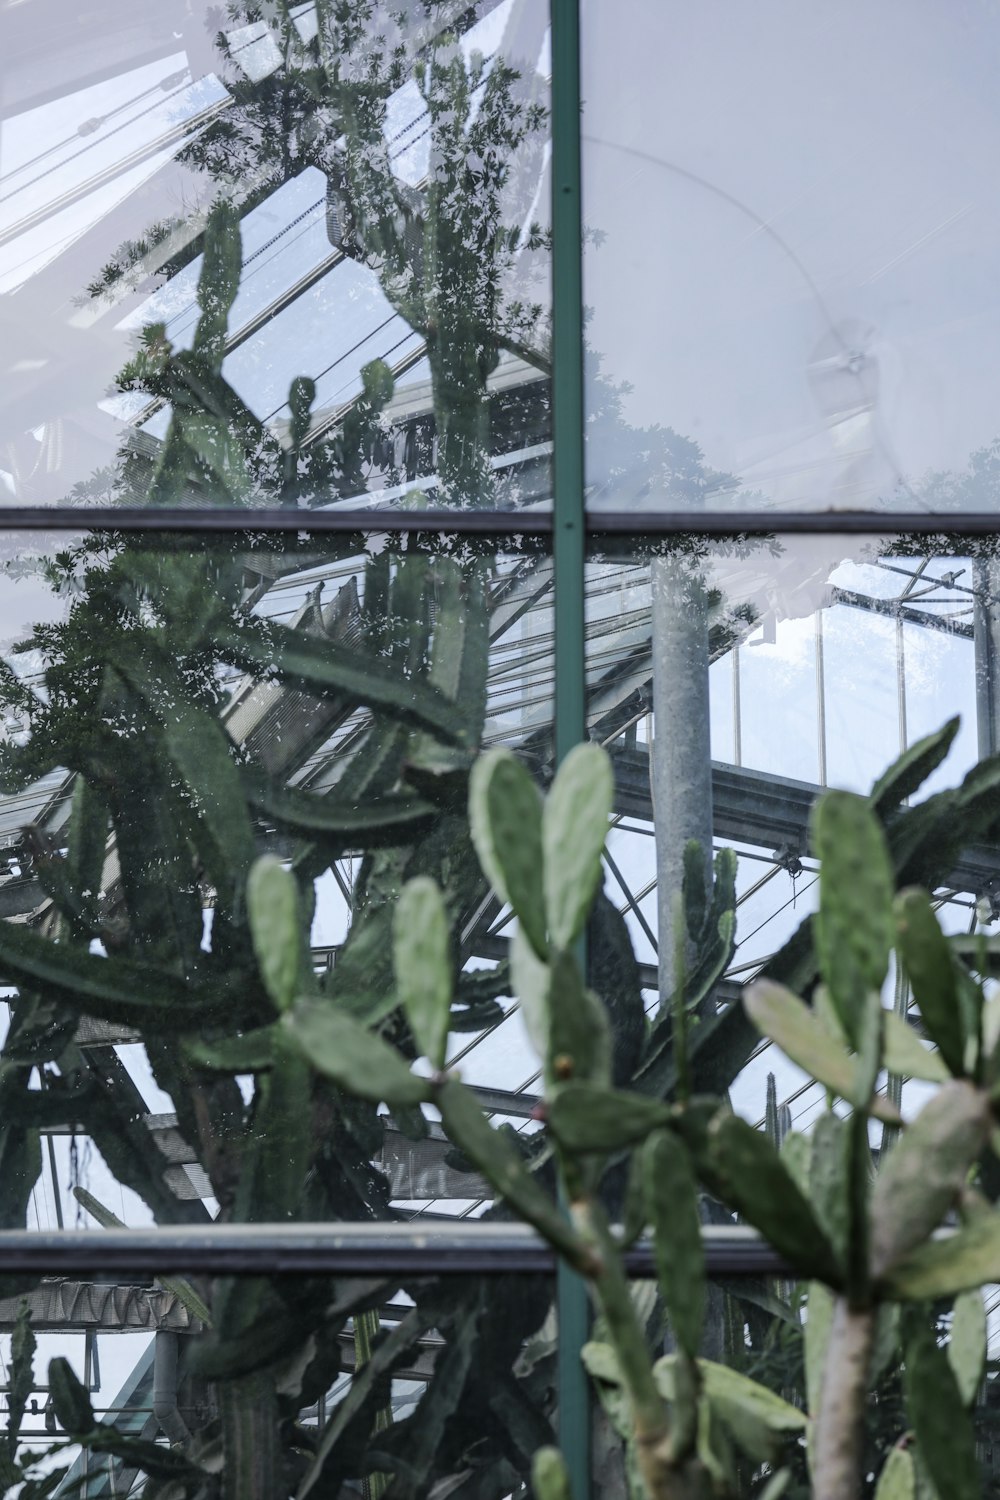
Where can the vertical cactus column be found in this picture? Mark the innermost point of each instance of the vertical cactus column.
(986, 634)
(681, 752)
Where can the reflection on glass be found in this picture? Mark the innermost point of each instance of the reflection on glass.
(731, 682)
(297, 261)
(279, 1387)
(171, 710)
(791, 242)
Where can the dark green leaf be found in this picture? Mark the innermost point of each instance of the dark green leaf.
(20, 1169)
(21, 1372)
(907, 774)
(114, 988)
(277, 930)
(694, 888)
(324, 666)
(854, 925)
(250, 1053)
(70, 1399)
(389, 818)
(932, 973)
(942, 1424)
(747, 1172)
(587, 1118)
(372, 1375)
(360, 1062)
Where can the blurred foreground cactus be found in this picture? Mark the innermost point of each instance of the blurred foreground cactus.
(860, 1231)
(545, 860)
(871, 1251)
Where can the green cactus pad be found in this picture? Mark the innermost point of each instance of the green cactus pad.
(574, 828)
(550, 1476)
(354, 1058)
(854, 925)
(931, 970)
(422, 962)
(276, 928)
(505, 816)
(672, 1202)
(926, 1171)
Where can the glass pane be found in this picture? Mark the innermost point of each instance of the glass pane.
(789, 255)
(731, 682)
(333, 1383)
(298, 261)
(173, 708)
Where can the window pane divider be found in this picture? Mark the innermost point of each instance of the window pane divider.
(514, 523)
(426, 1247)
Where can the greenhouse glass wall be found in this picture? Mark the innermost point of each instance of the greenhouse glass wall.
(388, 381)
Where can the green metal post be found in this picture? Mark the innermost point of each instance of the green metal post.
(568, 567)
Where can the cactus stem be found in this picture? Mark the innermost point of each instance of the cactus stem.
(664, 1478)
(839, 1424)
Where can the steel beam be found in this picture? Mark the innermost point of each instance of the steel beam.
(756, 807)
(437, 1247)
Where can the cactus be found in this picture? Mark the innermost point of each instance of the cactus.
(887, 1227)
(586, 1118)
(180, 801)
(865, 1247)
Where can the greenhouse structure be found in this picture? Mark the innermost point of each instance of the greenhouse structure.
(389, 381)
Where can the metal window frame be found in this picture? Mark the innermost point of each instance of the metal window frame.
(569, 524)
(473, 1248)
(426, 1248)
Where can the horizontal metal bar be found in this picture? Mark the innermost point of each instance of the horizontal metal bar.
(792, 522)
(598, 524)
(427, 1248)
(312, 522)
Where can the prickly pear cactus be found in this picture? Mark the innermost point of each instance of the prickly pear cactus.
(863, 1239)
(877, 1264)
(544, 857)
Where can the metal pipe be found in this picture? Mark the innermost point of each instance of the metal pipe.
(737, 709)
(172, 1424)
(429, 1247)
(820, 699)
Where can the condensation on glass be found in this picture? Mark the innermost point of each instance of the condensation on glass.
(790, 249)
(294, 261)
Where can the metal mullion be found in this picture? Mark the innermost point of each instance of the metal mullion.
(568, 536)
